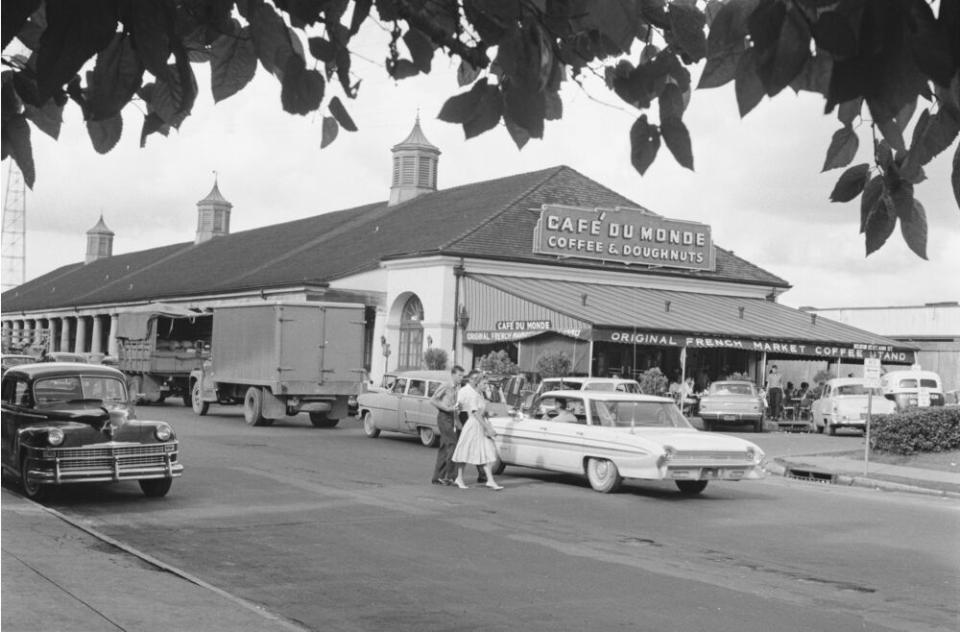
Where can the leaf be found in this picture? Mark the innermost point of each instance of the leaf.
(402, 69)
(913, 227)
(233, 64)
(519, 135)
(849, 111)
(48, 119)
(749, 88)
(361, 10)
(75, 32)
(851, 183)
(322, 49)
(152, 123)
(421, 49)
(719, 70)
(151, 26)
(781, 44)
(871, 195)
(892, 134)
(487, 111)
(553, 108)
(644, 143)
(459, 108)
(880, 224)
(340, 113)
(466, 74)
(686, 22)
(15, 16)
(834, 34)
(729, 28)
(671, 103)
(271, 39)
(843, 147)
(330, 130)
(815, 75)
(16, 144)
(172, 101)
(525, 107)
(116, 77)
(301, 89)
(677, 138)
(105, 133)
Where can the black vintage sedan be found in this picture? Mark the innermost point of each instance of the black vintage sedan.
(66, 422)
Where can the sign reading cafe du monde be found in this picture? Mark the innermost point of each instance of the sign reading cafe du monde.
(625, 235)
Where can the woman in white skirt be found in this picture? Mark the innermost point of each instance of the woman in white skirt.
(475, 445)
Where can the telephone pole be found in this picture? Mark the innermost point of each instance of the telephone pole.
(14, 246)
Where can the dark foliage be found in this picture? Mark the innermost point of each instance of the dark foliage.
(934, 429)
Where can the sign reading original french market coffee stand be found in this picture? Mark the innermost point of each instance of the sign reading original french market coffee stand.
(625, 235)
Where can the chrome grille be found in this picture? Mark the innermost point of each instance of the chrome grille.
(112, 451)
(708, 455)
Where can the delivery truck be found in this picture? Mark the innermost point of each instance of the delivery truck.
(158, 345)
(280, 359)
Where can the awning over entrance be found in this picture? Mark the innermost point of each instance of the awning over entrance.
(513, 308)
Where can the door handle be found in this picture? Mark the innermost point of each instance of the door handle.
(543, 428)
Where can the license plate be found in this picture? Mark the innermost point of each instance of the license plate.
(709, 472)
(729, 417)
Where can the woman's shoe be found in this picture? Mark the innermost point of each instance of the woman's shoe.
(494, 486)
(460, 484)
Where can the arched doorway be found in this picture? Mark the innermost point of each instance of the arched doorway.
(410, 354)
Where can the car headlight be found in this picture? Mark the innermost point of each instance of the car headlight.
(754, 455)
(55, 436)
(163, 432)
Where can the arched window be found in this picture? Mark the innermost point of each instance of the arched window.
(411, 335)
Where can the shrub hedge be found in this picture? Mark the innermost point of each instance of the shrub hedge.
(934, 429)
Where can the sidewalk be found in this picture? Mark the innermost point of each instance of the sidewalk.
(57, 575)
(843, 470)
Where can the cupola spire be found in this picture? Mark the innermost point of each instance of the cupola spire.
(99, 241)
(213, 214)
(414, 166)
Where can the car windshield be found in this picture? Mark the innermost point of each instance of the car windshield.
(856, 389)
(731, 388)
(560, 385)
(637, 414)
(73, 389)
(620, 387)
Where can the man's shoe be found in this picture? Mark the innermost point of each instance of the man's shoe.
(446, 481)
(438, 481)
(481, 479)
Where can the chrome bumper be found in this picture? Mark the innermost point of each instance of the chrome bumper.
(59, 466)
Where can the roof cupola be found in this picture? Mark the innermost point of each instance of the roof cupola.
(213, 215)
(99, 241)
(414, 166)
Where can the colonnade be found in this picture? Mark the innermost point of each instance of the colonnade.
(94, 334)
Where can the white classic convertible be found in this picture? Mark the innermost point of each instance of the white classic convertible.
(610, 436)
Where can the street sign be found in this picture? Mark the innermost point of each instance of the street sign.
(871, 372)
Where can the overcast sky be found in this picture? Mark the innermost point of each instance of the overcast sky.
(757, 180)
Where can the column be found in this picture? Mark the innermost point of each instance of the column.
(65, 334)
(96, 340)
(112, 347)
(7, 333)
(54, 332)
(16, 334)
(80, 340)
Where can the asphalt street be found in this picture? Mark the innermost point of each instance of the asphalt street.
(335, 531)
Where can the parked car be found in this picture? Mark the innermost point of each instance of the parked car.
(617, 384)
(403, 405)
(732, 402)
(64, 356)
(69, 423)
(843, 404)
(614, 435)
(913, 388)
(14, 359)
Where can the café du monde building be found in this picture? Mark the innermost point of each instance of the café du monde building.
(531, 263)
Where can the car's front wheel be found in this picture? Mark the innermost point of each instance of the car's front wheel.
(603, 475)
(196, 400)
(156, 487)
(691, 488)
(428, 437)
(321, 420)
(33, 491)
(369, 428)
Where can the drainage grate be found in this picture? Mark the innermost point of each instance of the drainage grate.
(811, 475)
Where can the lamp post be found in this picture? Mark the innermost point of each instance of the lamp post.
(463, 320)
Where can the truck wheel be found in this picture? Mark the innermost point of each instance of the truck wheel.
(253, 407)
(320, 420)
(196, 400)
(369, 428)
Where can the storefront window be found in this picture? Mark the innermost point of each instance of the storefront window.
(411, 335)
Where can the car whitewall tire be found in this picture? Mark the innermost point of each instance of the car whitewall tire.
(603, 475)
(369, 428)
(428, 437)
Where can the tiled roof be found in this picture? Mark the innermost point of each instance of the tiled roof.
(493, 219)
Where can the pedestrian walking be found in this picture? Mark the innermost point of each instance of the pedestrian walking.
(475, 445)
(445, 401)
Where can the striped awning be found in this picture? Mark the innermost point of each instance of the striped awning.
(512, 308)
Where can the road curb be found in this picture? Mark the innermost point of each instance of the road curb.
(783, 467)
(149, 559)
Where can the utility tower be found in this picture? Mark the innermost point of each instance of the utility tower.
(14, 247)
